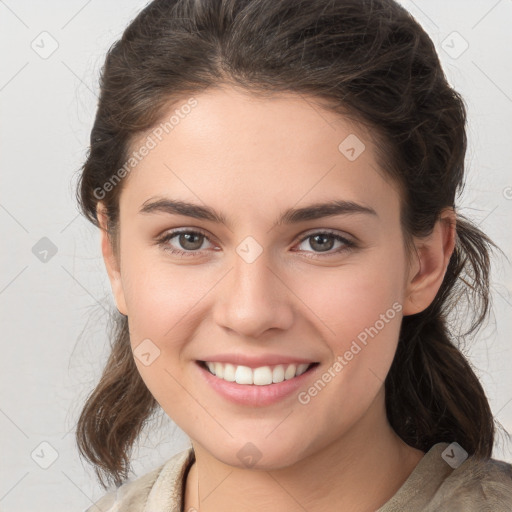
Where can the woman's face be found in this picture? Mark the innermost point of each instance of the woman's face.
(259, 291)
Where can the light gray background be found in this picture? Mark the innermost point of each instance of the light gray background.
(53, 314)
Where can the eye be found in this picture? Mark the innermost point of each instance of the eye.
(190, 242)
(323, 242)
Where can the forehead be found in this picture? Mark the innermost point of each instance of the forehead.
(233, 149)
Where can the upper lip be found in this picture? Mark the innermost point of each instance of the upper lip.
(255, 361)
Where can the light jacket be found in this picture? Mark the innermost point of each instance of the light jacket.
(476, 485)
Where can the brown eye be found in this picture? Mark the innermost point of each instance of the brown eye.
(189, 241)
(323, 242)
(186, 243)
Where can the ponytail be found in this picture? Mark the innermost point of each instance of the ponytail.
(432, 392)
(115, 412)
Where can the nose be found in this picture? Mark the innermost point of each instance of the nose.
(254, 298)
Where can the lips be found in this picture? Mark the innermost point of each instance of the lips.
(255, 395)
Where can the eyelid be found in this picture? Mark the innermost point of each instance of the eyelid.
(168, 235)
(327, 231)
(176, 231)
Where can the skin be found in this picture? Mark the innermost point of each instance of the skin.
(251, 158)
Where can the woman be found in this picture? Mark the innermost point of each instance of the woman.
(275, 186)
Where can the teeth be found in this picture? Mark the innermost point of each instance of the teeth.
(219, 370)
(278, 374)
(243, 375)
(302, 368)
(261, 376)
(229, 373)
(290, 372)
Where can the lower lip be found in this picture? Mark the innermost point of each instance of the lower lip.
(253, 395)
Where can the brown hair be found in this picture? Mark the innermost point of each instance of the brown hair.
(368, 59)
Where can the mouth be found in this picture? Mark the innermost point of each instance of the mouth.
(260, 376)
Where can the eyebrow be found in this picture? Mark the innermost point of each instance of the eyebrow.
(290, 216)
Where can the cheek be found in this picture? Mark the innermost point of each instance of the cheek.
(166, 304)
(158, 294)
(160, 301)
(351, 298)
(360, 312)
(358, 309)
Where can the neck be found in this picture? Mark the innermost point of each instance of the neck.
(359, 472)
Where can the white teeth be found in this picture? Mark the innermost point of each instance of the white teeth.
(243, 375)
(302, 368)
(278, 374)
(229, 372)
(219, 370)
(290, 372)
(261, 376)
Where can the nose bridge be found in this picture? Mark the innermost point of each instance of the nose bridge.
(254, 298)
(253, 279)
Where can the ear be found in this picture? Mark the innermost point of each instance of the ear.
(433, 255)
(112, 263)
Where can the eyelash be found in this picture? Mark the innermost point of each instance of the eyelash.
(163, 242)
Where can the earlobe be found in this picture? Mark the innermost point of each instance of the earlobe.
(433, 253)
(111, 262)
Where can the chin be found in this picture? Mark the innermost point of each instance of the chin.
(258, 455)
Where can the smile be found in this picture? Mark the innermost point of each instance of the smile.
(261, 376)
(256, 386)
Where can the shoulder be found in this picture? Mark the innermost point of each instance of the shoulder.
(133, 495)
(477, 485)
